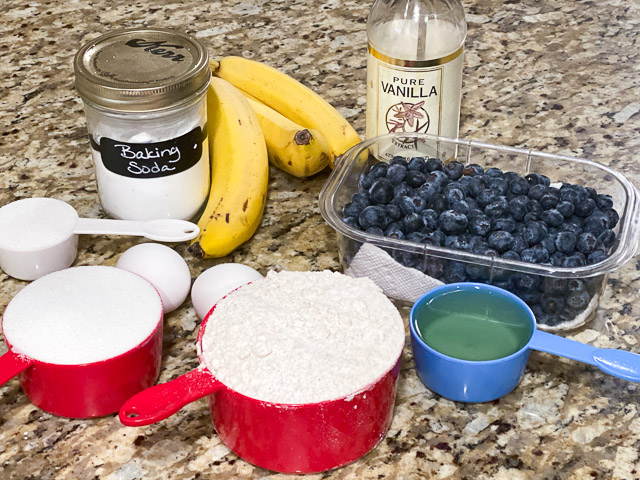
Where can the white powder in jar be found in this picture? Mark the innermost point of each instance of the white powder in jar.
(35, 223)
(303, 337)
(82, 315)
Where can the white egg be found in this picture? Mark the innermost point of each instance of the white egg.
(163, 267)
(215, 282)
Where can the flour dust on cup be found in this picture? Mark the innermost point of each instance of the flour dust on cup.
(144, 91)
(471, 343)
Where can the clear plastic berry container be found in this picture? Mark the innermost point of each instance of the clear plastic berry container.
(562, 297)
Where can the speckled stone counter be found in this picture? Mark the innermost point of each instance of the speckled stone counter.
(560, 76)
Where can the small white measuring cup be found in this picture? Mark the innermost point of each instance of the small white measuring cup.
(40, 235)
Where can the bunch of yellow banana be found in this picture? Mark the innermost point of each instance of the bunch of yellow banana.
(302, 114)
(239, 173)
(258, 114)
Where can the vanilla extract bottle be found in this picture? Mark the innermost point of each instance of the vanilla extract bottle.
(414, 66)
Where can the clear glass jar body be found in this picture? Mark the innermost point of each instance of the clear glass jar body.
(151, 164)
(414, 66)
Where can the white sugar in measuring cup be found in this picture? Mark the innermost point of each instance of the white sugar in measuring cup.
(40, 235)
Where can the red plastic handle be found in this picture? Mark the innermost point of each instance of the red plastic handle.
(161, 401)
(11, 364)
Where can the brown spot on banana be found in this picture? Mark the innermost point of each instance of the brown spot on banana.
(226, 218)
(196, 250)
(303, 137)
(245, 205)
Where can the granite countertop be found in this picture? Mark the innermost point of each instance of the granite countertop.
(560, 76)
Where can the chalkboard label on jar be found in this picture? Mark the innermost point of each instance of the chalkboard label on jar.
(151, 160)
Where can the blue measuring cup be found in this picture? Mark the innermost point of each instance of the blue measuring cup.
(473, 381)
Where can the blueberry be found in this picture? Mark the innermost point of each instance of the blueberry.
(607, 237)
(553, 217)
(499, 185)
(548, 201)
(480, 225)
(416, 237)
(438, 178)
(396, 173)
(434, 164)
(533, 233)
(461, 206)
(351, 210)
(552, 304)
(535, 254)
(473, 169)
(419, 203)
(352, 222)
(365, 181)
(406, 205)
(596, 257)
(519, 186)
(554, 285)
(573, 261)
(518, 207)
(578, 300)
(507, 224)
(435, 266)
(381, 191)
(398, 160)
(452, 222)
(575, 285)
(493, 172)
(430, 218)
(537, 179)
(485, 197)
(394, 232)
(519, 243)
(586, 207)
(596, 223)
(408, 259)
(591, 192)
(527, 283)
(375, 231)
(412, 223)
(557, 259)
(536, 191)
(453, 193)
(565, 208)
(498, 208)
(373, 216)
(438, 203)
(549, 242)
(379, 170)
(613, 218)
(457, 242)
(531, 217)
(393, 212)
(533, 206)
(435, 238)
(474, 212)
(401, 190)
(477, 244)
(455, 272)
(416, 164)
(453, 170)
(500, 241)
(530, 298)
(586, 243)
(427, 191)
(566, 241)
(415, 178)
(604, 202)
(476, 185)
(510, 255)
(571, 226)
(575, 194)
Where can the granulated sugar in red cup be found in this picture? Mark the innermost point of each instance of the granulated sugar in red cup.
(83, 340)
(300, 368)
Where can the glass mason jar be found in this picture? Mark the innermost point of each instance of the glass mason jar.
(144, 92)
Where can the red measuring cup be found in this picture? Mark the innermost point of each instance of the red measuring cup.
(292, 438)
(90, 389)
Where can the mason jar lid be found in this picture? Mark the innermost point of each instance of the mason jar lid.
(141, 69)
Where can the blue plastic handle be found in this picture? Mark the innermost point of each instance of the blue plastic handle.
(619, 363)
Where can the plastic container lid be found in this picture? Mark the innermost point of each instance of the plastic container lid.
(141, 69)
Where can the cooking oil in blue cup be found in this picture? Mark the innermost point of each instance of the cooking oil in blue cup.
(467, 325)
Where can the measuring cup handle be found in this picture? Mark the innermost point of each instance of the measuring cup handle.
(11, 364)
(161, 401)
(619, 363)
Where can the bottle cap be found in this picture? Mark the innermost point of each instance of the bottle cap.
(141, 69)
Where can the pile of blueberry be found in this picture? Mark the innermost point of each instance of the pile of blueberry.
(490, 212)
